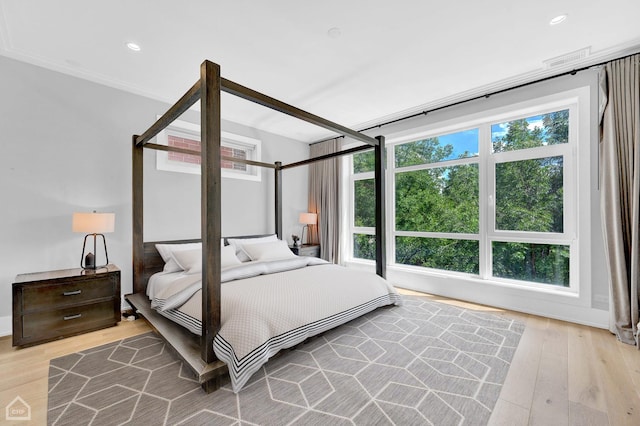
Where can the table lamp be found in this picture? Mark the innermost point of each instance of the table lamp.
(93, 224)
(307, 219)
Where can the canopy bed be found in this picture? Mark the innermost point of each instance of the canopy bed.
(196, 347)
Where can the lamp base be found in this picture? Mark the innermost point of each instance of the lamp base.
(89, 261)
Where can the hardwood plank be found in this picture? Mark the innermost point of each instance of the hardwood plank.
(506, 413)
(631, 356)
(550, 405)
(33, 393)
(585, 387)
(556, 338)
(623, 404)
(25, 372)
(521, 379)
(580, 415)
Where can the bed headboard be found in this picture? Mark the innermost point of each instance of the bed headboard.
(153, 262)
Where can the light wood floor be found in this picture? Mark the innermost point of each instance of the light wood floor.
(561, 374)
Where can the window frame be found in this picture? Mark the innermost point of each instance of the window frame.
(574, 153)
(183, 129)
(367, 230)
(568, 152)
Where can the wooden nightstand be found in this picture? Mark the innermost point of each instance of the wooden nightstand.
(56, 304)
(312, 250)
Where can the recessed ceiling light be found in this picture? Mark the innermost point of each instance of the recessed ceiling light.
(334, 32)
(558, 19)
(133, 46)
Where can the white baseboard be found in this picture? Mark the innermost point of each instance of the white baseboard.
(5, 326)
(554, 306)
(565, 307)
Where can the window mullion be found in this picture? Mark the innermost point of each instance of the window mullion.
(519, 170)
(486, 199)
(391, 204)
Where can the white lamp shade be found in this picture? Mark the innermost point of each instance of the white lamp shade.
(308, 218)
(93, 223)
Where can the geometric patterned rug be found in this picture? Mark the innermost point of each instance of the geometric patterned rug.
(421, 363)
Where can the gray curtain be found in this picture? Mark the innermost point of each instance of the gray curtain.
(620, 190)
(324, 199)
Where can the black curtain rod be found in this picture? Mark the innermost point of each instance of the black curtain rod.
(485, 96)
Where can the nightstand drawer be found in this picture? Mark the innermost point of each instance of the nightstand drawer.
(50, 296)
(67, 320)
(307, 250)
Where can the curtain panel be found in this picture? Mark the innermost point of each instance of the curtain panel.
(324, 199)
(620, 190)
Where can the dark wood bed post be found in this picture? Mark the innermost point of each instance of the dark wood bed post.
(278, 198)
(138, 216)
(211, 228)
(381, 243)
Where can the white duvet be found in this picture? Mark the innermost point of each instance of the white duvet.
(269, 306)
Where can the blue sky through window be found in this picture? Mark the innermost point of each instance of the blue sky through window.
(465, 141)
(499, 130)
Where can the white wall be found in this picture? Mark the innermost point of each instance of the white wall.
(591, 306)
(66, 147)
(248, 206)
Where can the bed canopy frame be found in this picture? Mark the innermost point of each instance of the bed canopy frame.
(196, 351)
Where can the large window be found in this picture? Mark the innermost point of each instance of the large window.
(494, 199)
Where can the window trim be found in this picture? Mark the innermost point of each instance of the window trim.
(253, 148)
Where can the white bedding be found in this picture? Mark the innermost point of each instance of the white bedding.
(160, 281)
(282, 305)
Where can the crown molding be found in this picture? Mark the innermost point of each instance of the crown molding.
(612, 53)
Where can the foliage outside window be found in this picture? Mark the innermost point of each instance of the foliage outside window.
(364, 199)
(511, 173)
(436, 192)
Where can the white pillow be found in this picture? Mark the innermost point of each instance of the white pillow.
(228, 257)
(239, 243)
(269, 251)
(189, 260)
(165, 251)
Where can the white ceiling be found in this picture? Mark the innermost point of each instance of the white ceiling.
(392, 58)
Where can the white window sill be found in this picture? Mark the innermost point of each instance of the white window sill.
(558, 303)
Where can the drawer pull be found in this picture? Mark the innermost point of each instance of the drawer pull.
(70, 317)
(71, 293)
